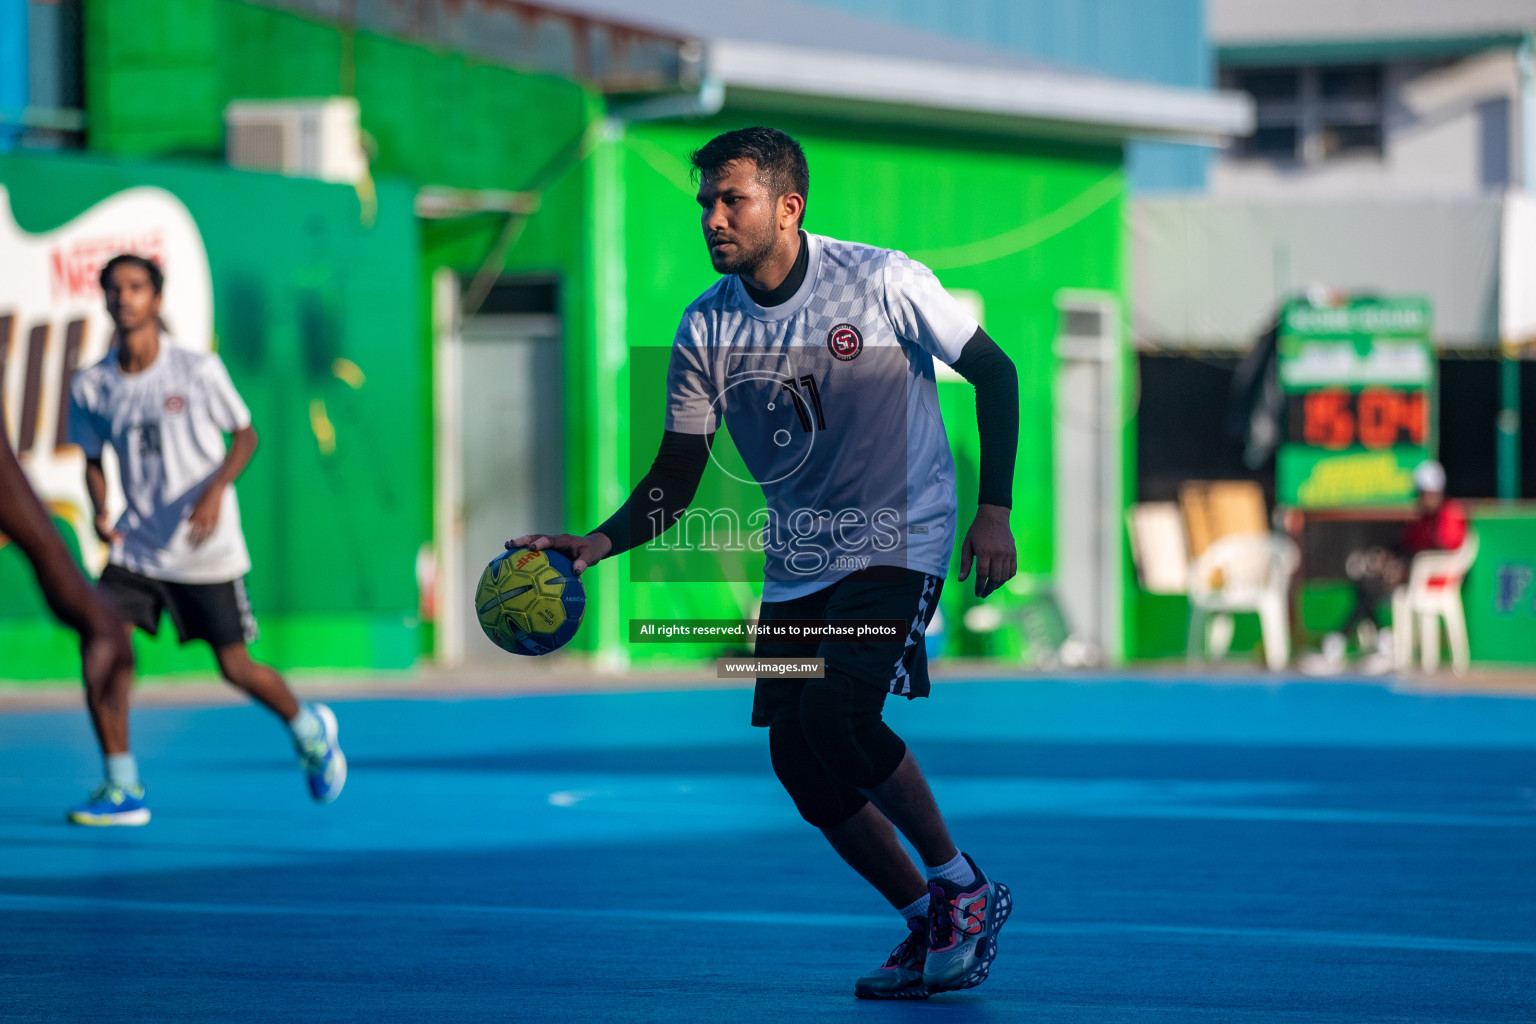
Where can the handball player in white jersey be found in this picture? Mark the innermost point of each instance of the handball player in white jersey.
(177, 549)
(818, 355)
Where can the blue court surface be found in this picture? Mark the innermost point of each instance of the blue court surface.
(1179, 851)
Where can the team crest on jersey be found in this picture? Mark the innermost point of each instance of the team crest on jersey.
(175, 404)
(845, 342)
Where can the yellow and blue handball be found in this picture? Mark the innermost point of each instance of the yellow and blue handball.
(530, 602)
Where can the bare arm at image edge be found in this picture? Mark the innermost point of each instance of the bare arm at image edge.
(24, 520)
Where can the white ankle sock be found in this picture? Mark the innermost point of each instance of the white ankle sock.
(956, 870)
(917, 908)
(122, 771)
(305, 726)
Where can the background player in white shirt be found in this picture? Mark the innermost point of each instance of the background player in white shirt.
(818, 355)
(177, 547)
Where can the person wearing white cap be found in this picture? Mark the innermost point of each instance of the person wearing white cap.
(1441, 526)
(1429, 478)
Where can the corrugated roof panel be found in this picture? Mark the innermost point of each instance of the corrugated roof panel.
(613, 54)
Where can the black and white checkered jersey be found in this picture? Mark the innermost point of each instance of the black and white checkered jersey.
(166, 425)
(831, 401)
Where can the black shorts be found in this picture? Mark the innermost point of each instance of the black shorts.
(219, 613)
(887, 666)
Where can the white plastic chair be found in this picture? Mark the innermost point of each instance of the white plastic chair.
(1431, 604)
(1243, 573)
(1158, 547)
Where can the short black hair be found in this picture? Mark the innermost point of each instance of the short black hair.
(780, 160)
(156, 275)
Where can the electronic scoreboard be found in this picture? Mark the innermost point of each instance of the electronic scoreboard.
(1359, 384)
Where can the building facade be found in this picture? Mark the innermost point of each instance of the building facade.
(1376, 100)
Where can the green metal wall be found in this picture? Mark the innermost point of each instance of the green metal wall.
(160, 72)
(299, 281)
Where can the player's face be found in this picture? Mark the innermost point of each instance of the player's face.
(740, 218)
(1430, 502)
(131, 299)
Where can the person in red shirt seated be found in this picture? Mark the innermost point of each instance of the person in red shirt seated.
(1441, 526)
(1442, 522)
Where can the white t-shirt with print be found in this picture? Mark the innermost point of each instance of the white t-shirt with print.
(830, 398)
(166, 425)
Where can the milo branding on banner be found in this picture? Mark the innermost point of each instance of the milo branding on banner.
(53, 321)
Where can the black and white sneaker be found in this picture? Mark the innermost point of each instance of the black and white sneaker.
(901, 976)
(963, 922)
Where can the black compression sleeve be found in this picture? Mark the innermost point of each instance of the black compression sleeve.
(663, 493)
(992, 374)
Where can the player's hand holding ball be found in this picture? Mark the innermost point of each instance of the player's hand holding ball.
(529, 600)
(584, 552)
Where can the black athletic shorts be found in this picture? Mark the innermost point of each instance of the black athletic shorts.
(898, 666)
(219, 613)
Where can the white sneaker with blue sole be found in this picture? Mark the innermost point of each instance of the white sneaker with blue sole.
(325, 766)
(112, 805)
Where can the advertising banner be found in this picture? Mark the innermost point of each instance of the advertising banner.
(1500, 594)
(316, 315)
(1359, 384)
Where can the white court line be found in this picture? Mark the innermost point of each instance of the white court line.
(884, 922)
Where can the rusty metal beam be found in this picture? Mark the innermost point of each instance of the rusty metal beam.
(608, 55)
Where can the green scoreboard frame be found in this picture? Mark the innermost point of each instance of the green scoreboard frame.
(1360, 389)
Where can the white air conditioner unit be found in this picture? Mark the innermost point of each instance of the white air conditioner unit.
(318, 138)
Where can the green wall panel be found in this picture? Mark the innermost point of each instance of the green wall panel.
(299, 282)
(1500, 591)
(150, 69)
(162, 71)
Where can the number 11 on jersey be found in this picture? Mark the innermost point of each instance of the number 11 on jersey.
(808, 382)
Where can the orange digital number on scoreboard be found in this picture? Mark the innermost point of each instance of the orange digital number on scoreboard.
(1335, 419)
(1326, 419)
